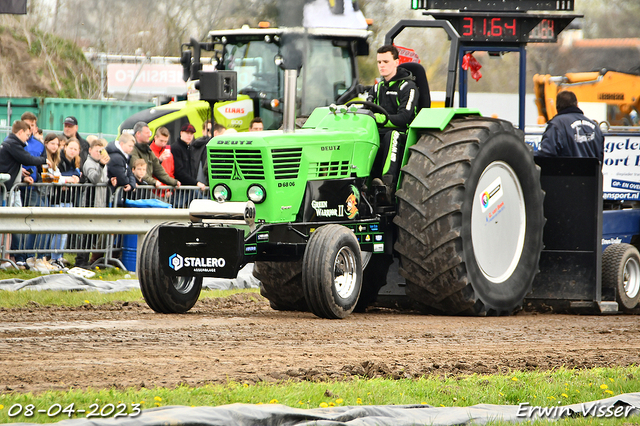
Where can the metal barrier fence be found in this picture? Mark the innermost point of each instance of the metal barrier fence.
(106, 246)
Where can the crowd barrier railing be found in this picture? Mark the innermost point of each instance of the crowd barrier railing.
(70, 226)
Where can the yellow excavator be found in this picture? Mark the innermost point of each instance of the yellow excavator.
(617, 92)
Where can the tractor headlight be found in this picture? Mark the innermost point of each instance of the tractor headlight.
(221, 192)
(256, 193)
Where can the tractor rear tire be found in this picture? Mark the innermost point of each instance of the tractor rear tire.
(470, 218)
(164, 294)
(281, 284)
(332, 272)
(621, 271)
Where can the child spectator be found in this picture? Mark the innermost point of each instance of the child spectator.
(118, 170)
(140, 171)
(95, 170)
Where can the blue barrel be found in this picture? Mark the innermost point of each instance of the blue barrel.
(129, 249)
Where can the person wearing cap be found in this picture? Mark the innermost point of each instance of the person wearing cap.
(71, 131)
(156, 174)
(181, 150)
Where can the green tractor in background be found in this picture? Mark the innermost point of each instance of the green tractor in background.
(466, 225)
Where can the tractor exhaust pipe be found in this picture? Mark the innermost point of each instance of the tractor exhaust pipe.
(289, 113)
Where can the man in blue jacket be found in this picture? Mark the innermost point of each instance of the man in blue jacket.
(13, 154)
(570, 133)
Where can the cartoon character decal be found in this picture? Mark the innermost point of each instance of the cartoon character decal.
(352, 203)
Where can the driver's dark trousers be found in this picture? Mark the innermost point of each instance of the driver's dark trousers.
(389, 158)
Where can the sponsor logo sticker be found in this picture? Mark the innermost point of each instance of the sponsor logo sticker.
(491, 194)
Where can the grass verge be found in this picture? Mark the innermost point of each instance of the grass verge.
(548, 389)
(25, 298)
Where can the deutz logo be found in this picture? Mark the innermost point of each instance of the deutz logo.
(236, 172)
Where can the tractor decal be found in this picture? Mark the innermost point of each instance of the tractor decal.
(352, 203)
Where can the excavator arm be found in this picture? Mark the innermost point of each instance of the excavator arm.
(618, 90)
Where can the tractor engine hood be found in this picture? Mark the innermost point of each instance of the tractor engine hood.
(278, 165)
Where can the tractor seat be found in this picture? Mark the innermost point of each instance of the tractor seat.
(424, 101)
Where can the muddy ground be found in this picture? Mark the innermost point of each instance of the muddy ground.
(240, 338)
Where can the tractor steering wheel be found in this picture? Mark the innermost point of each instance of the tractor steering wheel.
(373, 107)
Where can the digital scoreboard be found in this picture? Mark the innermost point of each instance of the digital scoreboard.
(506, 27)
(506, 21)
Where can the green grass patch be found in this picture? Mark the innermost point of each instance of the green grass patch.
(548, 389)
(24, 298)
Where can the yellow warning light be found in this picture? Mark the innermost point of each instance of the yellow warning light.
(264, 24)
(369, 21)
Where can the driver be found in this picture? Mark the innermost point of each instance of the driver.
(397, 93)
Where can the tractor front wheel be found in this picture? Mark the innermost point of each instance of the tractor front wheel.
(332, 272)
(164, 294)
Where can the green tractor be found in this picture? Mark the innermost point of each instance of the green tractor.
(466, 225)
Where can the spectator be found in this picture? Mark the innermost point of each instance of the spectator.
(69, 172)
(34, 146)
(156, 174)
(203, 164)
(63, 142)
(256, 125)
(95, 171)
(218, 129)
(71, 131)
(12, 156)
(31, 195)
(160, 147)
(140, 171)
(181, 149)
(198, 147)
(118, 170)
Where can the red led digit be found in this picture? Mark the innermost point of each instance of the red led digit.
(467, 26)
(511, 27)
(496, 27)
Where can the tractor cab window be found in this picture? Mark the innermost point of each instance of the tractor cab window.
(254, 63)
(326, 75)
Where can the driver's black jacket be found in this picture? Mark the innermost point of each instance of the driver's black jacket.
(398, 97)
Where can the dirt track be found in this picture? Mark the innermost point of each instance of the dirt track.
(244, 340)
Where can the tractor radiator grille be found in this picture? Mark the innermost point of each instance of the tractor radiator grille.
(329, 169)
(236, 164)
(286, 162)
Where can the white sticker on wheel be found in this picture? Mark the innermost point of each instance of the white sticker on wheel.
(491, 194)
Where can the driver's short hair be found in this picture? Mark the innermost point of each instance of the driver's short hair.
(390, 48)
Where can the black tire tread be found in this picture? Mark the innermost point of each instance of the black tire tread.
(429, 216)
(281, 284)
(612, 259)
